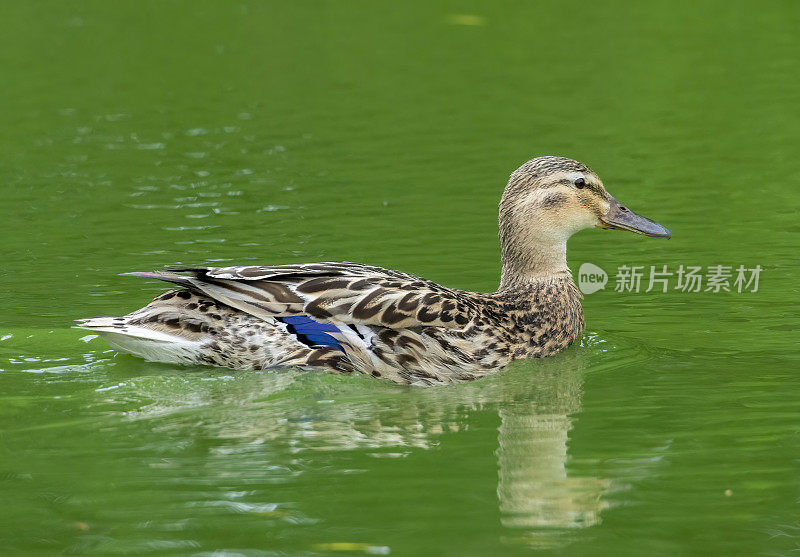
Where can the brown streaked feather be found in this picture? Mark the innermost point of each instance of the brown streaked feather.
(344, 292)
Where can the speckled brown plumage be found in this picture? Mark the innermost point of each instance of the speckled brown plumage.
(377, 321)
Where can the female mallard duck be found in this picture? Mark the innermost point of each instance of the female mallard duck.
(346, 317)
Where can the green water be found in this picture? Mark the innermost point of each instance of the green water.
(137, 135)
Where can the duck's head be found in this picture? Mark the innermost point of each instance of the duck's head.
(546, 201)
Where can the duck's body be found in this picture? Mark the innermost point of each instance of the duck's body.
(346, 317)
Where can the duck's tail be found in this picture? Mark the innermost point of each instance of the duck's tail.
(184, 327)
(173, 328)
(143, 341)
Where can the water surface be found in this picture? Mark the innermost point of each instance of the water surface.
(141, 135)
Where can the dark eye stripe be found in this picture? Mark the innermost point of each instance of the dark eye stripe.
(588, 186)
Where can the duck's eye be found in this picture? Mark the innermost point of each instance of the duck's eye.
(579, 183)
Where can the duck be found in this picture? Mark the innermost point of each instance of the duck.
(351, 318)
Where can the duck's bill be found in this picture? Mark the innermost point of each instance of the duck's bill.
(621, 218)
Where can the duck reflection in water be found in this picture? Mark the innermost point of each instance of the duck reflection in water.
(540, 501)
(538, 497)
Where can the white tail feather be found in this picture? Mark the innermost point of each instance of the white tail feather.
(146, 343)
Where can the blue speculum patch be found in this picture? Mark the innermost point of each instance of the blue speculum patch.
(310, 332)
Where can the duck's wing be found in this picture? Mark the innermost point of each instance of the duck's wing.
(329, 292)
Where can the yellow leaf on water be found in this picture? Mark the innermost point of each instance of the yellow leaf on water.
(353, 546)
(341, 546)
(466, 19)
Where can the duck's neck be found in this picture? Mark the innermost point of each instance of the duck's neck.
(532, 257)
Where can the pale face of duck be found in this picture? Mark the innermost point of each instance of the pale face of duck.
(547, 200)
